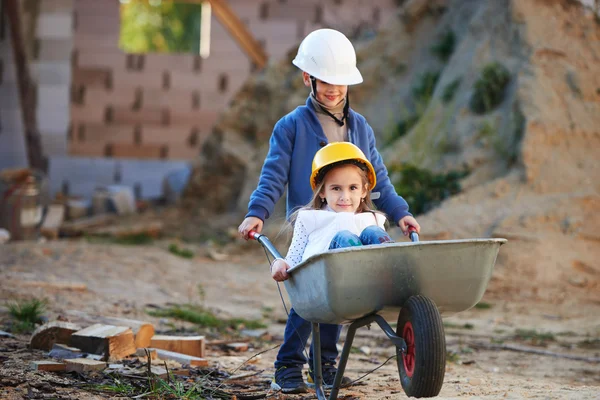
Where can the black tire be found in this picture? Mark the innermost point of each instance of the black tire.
(423, 366)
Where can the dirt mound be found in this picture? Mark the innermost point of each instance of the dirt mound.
(505, 89)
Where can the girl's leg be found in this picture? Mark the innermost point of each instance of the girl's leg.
(344, 239)
(374, 235)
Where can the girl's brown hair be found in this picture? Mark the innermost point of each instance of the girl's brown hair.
(316, 203)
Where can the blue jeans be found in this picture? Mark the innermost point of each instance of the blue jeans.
(297, 329)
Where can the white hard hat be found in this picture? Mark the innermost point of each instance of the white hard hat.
(328, 55)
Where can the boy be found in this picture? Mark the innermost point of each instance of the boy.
(328, 63)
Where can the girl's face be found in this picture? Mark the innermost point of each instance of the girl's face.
(344, 188)
(329, 95)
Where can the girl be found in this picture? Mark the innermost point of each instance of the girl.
(339, 215)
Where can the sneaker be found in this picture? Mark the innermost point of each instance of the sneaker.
(329, 372)
(289, 380)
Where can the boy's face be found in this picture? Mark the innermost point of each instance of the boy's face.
(344, 188)
(329, 95)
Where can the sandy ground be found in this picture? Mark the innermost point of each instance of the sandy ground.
(124, 280)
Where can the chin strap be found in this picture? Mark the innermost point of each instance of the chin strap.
(340, 122)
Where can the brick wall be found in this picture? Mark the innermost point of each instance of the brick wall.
(162, 106)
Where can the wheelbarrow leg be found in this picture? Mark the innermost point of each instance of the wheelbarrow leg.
(316, 339)
(337, 383)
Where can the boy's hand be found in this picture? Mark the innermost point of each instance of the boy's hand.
(407, 222)
(279, 270)
(250, 224)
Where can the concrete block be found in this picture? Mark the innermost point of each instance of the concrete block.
(56, 6)
(9, 96)
(79, 171)
(51, 73)
(202, 119)
(55, 25)
(88, 58)
(55, 97)
(54, 144)
(87, 114)
(102, 134)
(149, 175)
(85, 149)
(106, 43)
(177, 134)
(182, 152)
(147, 80)
(13, 152)
(135, 151)
(54, 120)
(97, 24)
(101, 97)
(55, 49)
(91, 76)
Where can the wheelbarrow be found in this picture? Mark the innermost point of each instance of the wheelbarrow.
(418, 281)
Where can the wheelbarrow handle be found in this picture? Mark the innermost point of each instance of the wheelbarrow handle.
(412, 233)
(262, 239)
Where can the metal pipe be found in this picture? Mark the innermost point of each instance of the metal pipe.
(316, 339)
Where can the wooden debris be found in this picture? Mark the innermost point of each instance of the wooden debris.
(52, 222)
(114, 342)
(80, 226)
(73, 286)
(142, 330)
(62, 351)
(238, 347)
(190, 345)
(142, 353)
(48, 334)
(45, 365)
(183, 359)
(82, 365)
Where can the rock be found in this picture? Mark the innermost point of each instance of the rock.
(175, 183)
(6, 334)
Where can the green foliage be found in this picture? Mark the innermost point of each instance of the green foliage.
(444, 48)
(204, 318)
(26, 314)
(489, 89)
(457, 326)
(425, 87)
(423, 189)
(450, 90)
(483, 306)
(185, 253)
(166, 27)
(452, 357)
(402, 128)
(534, 337)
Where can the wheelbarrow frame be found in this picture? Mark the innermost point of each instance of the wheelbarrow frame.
(463, 291)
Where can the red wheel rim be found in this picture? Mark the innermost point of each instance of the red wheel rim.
(408, 358)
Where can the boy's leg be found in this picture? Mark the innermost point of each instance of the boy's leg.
(374, 235)
(344, 239)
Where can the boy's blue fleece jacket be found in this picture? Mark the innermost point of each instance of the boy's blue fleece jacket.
(295, 140)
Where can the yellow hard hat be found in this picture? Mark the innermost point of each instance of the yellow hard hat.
(337, 152)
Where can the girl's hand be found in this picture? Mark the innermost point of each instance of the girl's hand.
(250, 224)
(407, 222)
(279, 270)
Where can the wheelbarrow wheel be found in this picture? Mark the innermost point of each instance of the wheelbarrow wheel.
(423, 365)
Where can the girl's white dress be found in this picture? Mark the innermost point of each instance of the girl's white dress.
(314, 230)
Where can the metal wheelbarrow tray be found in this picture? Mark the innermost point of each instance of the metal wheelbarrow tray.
(418, 281)
(346, 284)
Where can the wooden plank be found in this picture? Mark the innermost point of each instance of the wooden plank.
(79, 226)
(183, 359)
(45, 336)
(82, 365)
(113, 342)
(142, 330)
(45, 365)
(190, 345)
(81, 113)
(53, 220)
